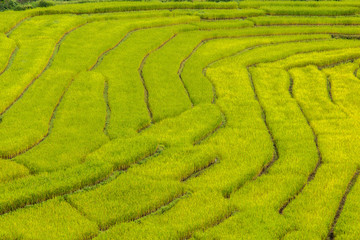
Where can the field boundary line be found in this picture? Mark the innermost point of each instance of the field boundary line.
(267, 166)
(209, 134)
(275, 148)
(46, 67)
(140, 71)
(201, 170)
(350, 60)
(146, 213)
(126, 36)
(328, 88)
(218, 222)
(265, 45)
(108, 108)
(356, 72)
(50, 125)
(8, 33)
(264, 169)
(10, 61)
(248, 18)
(111, 175)
(320, 160)
(342, 108)
(181, 68)
(351, 184)
(303, 24)
(170, 203)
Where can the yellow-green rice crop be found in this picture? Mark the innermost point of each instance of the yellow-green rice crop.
(180, 120)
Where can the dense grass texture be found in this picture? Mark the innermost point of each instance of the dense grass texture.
(180, 120)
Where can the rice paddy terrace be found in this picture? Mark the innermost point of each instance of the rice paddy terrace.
(180, 121)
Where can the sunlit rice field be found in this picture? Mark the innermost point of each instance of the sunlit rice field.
(180, 120)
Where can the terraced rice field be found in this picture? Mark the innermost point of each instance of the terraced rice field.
(180, 121)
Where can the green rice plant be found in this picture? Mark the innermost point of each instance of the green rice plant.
(177, 164)
(310, 90)
(129, 112)
(224, 24)
(10, 170)
(199, 87)
(189, 127)
(12, 18)
(103, 7)
(167, 95)
(217, 14)
(270, 191)
(135, 15)
(113, 7)
(24, 69)
(236, 165)
(324, 194)
(348, 126)
(29, 120)
(37, 188)
(21, 132)
(274, 198)
(49, 27)
(36, 40)
(210, 51)
(287, 30)
(15, 18)
(245, 124)
(218, 129)
(78, 129)
(261, 3)
(293, 135)
(113, 153)
(98, 165)
(284, 50)
(281, 182)
(155, 74)
(257, 3)
(54, 219)
(126, 198)
(245, 225)
(7, 49)
(109, 7)
(301, 20)
(121, 153)
(112, 30)
(344, 86)
(310, 166)
(297, 157)
(229, 14)
(110, 63)
(340, 149)
(320, 59)
(269, 116)
(347, 226)
(198, 211)
(312, 11)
